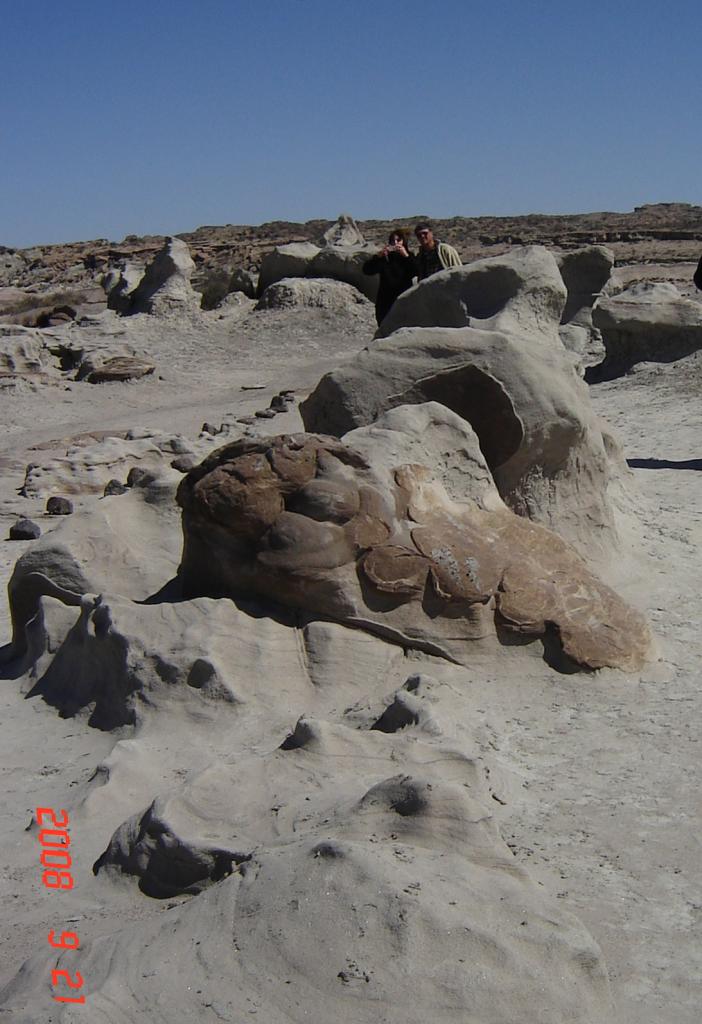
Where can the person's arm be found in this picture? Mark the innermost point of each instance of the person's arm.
(451, 257)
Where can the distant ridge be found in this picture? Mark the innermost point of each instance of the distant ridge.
(660, 232)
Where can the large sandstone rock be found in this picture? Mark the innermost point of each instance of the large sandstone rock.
(519, 291)
(499, 363)
(164, 287)
(343, 263)
(585, 272)
(316, 293)
(366, 532)
(120, 284)
(645, 323)
(286, 261)
(340, 256)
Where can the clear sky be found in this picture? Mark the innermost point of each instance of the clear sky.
(161, 115)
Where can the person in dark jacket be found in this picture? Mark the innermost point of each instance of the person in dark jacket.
(698, 276)
(396, 266)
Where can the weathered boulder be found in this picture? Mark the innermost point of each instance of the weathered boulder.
(317, 293)
(343, 263)
(286, 261)
(165, 285)
(645, 323)
(520, 393)
(521, 290)
(95, 357)
(13, 265)
(101, 367)
(120, 282)
(24, 529)
(585, 272)
(366, 533)
(340, 256)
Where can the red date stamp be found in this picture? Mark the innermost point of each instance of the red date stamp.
(55, 841)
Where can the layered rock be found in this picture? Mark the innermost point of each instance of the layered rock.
(645, 323)
(24, 353)
(89, 464)
(496, 360)
(367, 534)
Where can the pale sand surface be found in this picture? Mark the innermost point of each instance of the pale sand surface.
(601, 771)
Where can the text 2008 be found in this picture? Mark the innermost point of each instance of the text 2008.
(56, 861)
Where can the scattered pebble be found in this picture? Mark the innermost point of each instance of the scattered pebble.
(24, 529)
(114, 487)
(57, 506)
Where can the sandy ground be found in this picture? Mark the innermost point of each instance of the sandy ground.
(609, 810)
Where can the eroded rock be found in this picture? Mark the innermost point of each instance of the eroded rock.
(164, 287)
(520, 393)
(357, 532)
(645, 323)
(311, 292)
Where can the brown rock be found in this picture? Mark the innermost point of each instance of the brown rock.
(96, 370)
(354, 535)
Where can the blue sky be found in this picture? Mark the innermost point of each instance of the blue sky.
(162, 115)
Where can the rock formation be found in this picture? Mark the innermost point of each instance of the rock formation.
(104, 367)
(392, 898)
(497, 360)
(164, 287)
(585, 273)
(367, 533)
(320, 293)
(24, 353)
(645, 323)
(88, 464)
(124, 544)
(120, 282)
(340, 257)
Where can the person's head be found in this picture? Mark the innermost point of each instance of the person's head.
(398, 235)
(425, 235)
